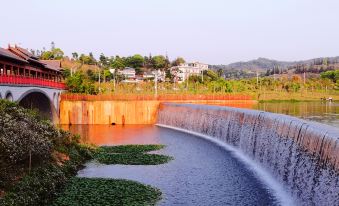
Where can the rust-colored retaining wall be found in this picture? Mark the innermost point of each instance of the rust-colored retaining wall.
(132, 111)
(108, 112)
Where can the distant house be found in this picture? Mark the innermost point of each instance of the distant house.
(183, 71)
(151, 75)
(128, 73)
(148, 75)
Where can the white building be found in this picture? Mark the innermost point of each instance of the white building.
(148, 75)
(183, 71)
(128, 73)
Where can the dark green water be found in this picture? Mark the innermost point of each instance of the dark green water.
(323, 112)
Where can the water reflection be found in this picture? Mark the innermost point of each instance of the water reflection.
(114, 135)
(323, 112)
(247, 104)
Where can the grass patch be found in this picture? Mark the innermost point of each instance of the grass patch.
(98, 191)
(131, 155)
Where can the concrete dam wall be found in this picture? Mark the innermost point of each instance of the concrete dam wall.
(125, 111)
(108, 112)
(302, 156)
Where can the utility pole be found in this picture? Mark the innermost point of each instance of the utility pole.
(304, 75)
(72, 70)
(202, 75)
(156, 82)
(187, 79)
(99, 77)
(113, 73)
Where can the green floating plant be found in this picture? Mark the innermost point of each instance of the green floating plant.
(131, 155)
(99, 191)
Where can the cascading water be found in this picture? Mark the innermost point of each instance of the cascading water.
(303, 156)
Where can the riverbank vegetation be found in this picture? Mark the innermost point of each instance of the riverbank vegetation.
(263, 88)
(38, 160)
(273, 87)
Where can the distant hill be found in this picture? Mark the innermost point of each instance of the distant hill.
(263, 64)
(266, 66)
(258, 64)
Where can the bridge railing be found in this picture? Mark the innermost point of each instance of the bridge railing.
(31, 81)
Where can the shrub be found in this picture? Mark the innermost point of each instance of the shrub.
(23, 137)
(44, 183)
(37, 188)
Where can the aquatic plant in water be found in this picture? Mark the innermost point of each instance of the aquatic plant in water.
(99, 191)
(131, 155)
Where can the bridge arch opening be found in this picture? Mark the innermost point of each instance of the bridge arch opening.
(38, 100)
(9, 96)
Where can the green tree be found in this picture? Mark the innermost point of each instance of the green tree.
(210, 75)
(195, 79)
(332, 75)
(118, 63)
(75, 55)
(55, 54)
(135, 61)
(178, 61)
(107, 75)
(87, 59)
(104, 60)
(159, 62)
(78, 83)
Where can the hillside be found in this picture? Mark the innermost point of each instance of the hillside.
(258, 64)
(262, 64)
(66, 63)
(267, 67)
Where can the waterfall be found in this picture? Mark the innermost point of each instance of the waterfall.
(303, 156)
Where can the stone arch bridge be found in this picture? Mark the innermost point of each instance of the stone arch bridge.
(33, 83)
(44, 99)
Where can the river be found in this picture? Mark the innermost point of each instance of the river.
(201, 173)
(323, 112)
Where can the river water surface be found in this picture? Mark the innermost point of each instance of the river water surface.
(201, 173)
(323, 112)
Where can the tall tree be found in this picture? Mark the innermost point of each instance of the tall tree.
(103, 60)
(75, 55)
(118, 63)
(159, 62)
(178, 61)
(56, 54)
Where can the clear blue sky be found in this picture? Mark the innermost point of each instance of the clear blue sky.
(211, 31)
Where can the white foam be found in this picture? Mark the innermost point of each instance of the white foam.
(282, 196)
